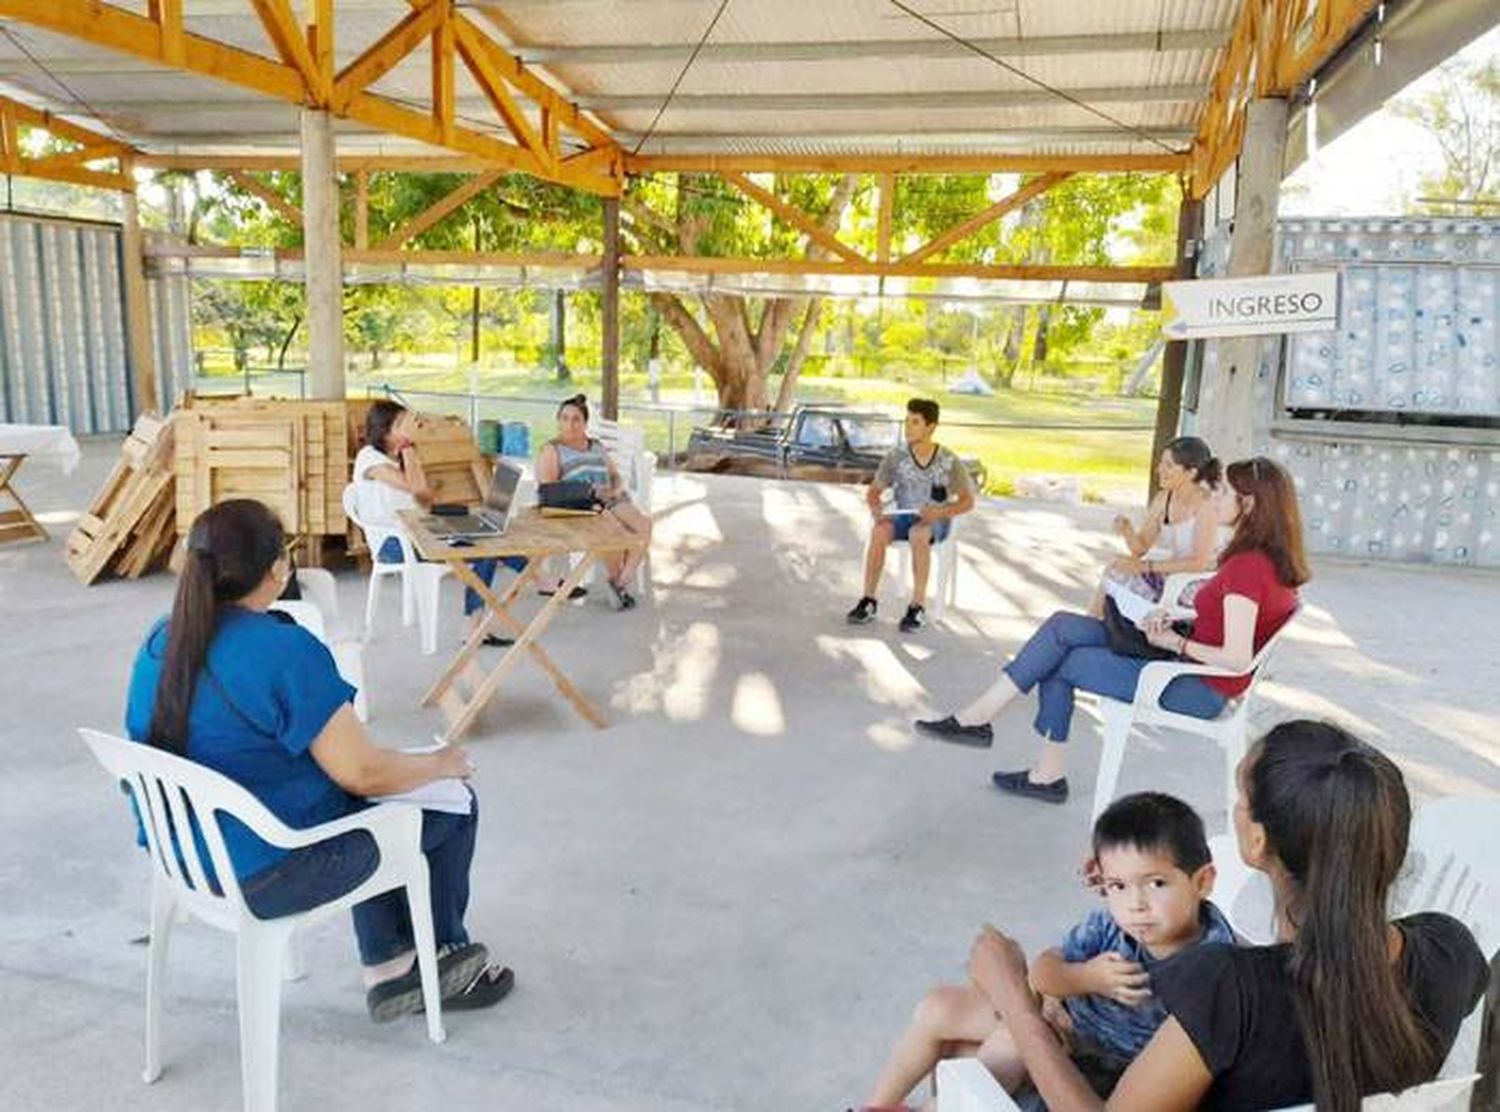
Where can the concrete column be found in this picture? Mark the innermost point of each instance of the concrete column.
(139, 348)
(1174, 359)
(1226, 402)
(609, 306)
(323, 254)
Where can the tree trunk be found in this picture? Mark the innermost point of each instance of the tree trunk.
(286, 342)
(1012, 349)
(741, 353)
(787, 392)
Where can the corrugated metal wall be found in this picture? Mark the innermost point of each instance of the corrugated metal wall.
(63, 353)
(171, 334)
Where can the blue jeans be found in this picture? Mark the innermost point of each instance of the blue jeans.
(1071, 651)
(390, 553)
(314, 875)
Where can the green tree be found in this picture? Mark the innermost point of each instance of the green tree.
(738, 340)
(1462, 114)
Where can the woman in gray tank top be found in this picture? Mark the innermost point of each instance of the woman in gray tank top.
(575, 455)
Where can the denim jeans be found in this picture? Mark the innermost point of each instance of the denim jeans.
(318, 873)
(390, 553)
(1071, 651)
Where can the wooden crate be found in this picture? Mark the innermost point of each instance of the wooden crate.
(319, 451)
(128, 527)
(450, 459)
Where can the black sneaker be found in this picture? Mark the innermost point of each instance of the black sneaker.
(951, 729)
(573, 595)
(915, 619)
(863, 612)
(1020, 783)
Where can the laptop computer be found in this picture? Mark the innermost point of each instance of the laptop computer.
(490, 519)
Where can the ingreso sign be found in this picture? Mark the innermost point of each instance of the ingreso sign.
(1250, 306)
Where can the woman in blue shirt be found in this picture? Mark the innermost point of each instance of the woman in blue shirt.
(228, 684)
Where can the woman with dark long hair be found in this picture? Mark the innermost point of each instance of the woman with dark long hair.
(1249, 598)
(575, 455)
(1182, 519)
(1345, 1004)
(228, 684)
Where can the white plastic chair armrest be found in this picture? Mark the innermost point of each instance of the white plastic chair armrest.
(393, 823)
(1157, 675)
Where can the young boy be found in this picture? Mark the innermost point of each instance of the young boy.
(925, 478)
(1153, 868)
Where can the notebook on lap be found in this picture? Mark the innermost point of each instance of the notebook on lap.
(490, 519)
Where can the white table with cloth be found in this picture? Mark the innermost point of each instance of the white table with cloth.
(52, 444)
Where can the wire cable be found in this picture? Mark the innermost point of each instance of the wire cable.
(1062, 94)
(672, 92)
(20, 45)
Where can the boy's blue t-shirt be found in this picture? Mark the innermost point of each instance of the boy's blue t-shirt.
(267, 691)
(1117, 1027)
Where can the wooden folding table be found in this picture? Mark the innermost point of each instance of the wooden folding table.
(464, 687)
(16, 523)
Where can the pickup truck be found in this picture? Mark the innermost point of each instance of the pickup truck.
(827, 443)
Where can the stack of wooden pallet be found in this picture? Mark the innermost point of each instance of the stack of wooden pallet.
(291, 455)
(129, 528)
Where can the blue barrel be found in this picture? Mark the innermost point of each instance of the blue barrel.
(515, 439)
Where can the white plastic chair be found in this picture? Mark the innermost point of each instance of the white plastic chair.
(348, 655)
(943, 591)
(1230, 730)
(967, 1085)
(626, 445)
(167, 789)
(421, 580)
(1451, 866)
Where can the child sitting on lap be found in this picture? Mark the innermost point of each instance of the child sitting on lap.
(1152, 866)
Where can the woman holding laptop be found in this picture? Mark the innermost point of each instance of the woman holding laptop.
(575, 456)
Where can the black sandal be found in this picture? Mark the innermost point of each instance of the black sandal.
(486, 990)
(457, 970)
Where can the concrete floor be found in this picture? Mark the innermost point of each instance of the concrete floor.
(730, 898)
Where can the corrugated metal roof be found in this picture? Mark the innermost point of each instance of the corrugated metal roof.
(777, 75)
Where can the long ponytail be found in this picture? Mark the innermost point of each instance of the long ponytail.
(1336, 815)
(230, 550)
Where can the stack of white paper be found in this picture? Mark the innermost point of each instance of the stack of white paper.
(450, 795)
(1133, 607)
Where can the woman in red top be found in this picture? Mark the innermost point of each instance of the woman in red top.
(1250, 597)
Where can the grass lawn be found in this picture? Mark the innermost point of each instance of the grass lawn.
(1107, 449)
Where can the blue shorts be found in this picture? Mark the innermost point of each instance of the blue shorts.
(901, 525)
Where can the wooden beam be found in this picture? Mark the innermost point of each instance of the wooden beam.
(168, 16)
(963, 230)
(64, 166)
(347, 164)
(1138, 275)
(905, 163)
(887, 210)
(115, 28)
(287, 37)
(442, 77)
(509, 67)
(361, 209)
(267, 196)
(387, 52)
(435, 212)
(794, 216)
(320, 36)
(1275, 47)
(492, 83)
(698, 264)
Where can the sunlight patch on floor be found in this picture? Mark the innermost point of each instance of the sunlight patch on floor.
(757, 706)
